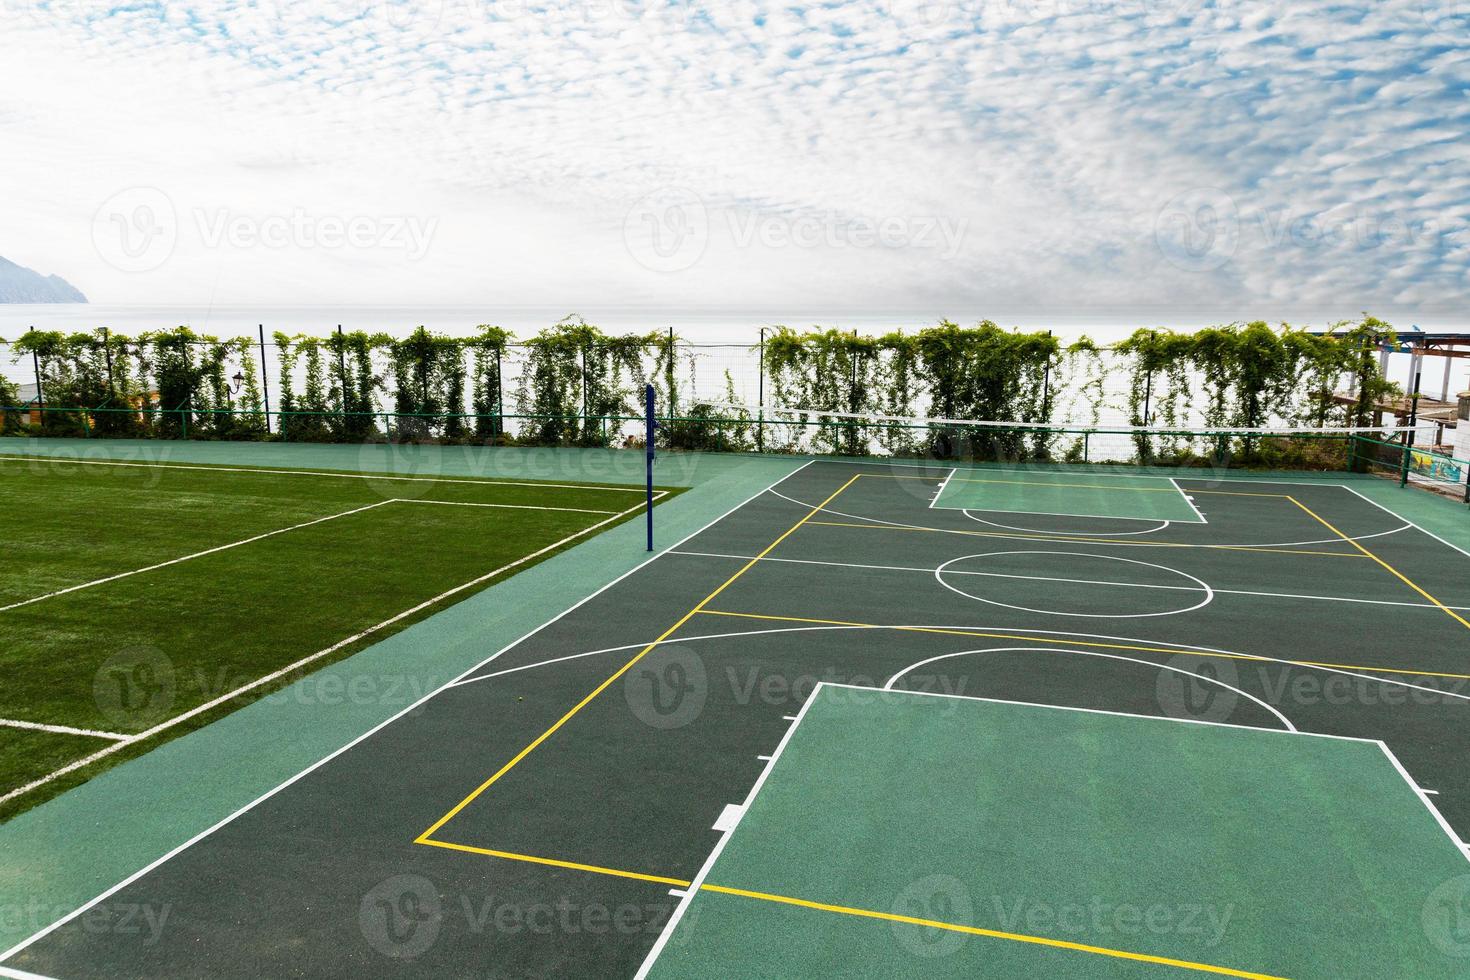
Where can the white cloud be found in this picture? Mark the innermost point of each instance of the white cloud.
(1054, 133)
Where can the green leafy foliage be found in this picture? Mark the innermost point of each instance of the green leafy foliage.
(842, 392)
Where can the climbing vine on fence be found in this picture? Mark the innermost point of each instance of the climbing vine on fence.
(573, 384)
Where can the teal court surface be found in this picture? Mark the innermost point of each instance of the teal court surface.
(1034, 817)
(1088, 494)
(840, 731)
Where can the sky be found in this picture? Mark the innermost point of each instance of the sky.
(1271, 160)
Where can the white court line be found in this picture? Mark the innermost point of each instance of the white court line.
(197, 554)
(1408, 522)
(1062, 535)
(1180, 648)
(1076, 581)
(268, 678)
(333, 475)
(940, 492)
(1080, 534)
(14, 974)
(709, 862)
(1434, 811)
(1080, 517)
(61, 729)
(1424, 798)
(1188, 500)
(458, 503)
(1209, 593)
(108, 893)
(888, 686)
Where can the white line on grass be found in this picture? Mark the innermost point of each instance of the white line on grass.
(1075, 581)
(81, 909)
(337, 476)
(275, 675)
(197, 554)
(458, 503)
(61, 729)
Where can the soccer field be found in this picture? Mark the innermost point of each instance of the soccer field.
(140, 601)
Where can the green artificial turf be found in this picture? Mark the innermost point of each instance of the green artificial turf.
(126, 655)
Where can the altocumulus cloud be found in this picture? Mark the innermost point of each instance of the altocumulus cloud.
(1071, 154)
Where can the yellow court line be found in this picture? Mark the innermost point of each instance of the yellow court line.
(848, 910)
(1397, 574)
(1066, 639)
(424, 837)
(552, 862)
(991, 933)
(1076, 540)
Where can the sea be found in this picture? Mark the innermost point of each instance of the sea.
(735, 328)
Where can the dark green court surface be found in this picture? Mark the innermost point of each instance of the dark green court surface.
(979, 838)
(547, 812)
(1089, 494)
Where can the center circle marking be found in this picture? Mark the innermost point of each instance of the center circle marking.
(1200, 585)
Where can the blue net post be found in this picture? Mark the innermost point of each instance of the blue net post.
(650, 425)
